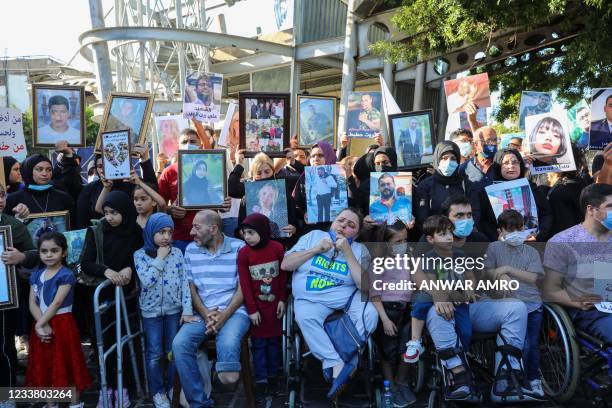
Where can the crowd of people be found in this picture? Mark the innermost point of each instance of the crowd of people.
(202, 275)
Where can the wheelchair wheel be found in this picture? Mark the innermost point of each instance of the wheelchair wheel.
(291, 400)
(417, 375)
(560, 354)
(436, 400)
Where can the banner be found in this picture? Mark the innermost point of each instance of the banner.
(12, 142)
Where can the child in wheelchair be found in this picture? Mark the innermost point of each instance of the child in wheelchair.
(392, 307)
(439, 233)
(510, 258)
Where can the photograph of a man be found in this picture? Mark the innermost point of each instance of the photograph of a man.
(59, 116)
(410, 143)
(601, 127)
(462, 91)
(323, 190)
(533, 103)
(364, 114)
(580, 120)
(391, 200)
(317, 120)
(199, 91)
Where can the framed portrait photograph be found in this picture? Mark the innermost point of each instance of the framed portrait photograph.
(514, 195)
(363, 118)
(75, 240)
(547, 143)
(413, 137)
(8, 277)
(600, 133)
(533, 103)
(58, 113)
(511, 141)
(471, 89)
(116, 154)
(202, 99)
(391, 197)
(126, 111)
(169, 129)
(202, 178)
(264, 123)
(269, 198)
(326, 193)
(317, 120)
(38, 224)
(579, 121)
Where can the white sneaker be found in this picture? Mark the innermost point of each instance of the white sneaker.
(414, 349)
(536, 387)
(161, 401)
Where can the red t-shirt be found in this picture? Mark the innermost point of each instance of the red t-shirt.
(263, 285)
(168, 189)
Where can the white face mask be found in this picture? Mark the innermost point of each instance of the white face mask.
(92, 178)
(516, 238)
(465, 148)
(399, 248)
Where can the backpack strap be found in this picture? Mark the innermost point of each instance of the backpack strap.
(96, 228)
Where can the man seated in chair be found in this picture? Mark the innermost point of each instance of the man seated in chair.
(574, 260)
(212, 272)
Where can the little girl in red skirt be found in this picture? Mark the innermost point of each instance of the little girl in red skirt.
(56, 357)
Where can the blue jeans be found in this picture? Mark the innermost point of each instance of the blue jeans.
(266, 357)
(159, 334)
(594, 322)
(463, 324)
(531, 348)
(185, 349)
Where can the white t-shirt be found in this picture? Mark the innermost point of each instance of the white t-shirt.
(47, 134)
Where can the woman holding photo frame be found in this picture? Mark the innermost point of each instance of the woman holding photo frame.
(508, 164)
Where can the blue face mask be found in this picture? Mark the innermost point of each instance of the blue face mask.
(333, 237)
(607, 222)
(516, 238)
(37, 187)
(464, 227)
(447, 167)
(465, 148)
(193, 147)
(488, 151)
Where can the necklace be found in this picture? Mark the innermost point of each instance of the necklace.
(38, 204)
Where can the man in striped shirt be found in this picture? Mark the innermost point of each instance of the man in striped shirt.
(212, 272)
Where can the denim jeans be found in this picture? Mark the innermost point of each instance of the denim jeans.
(159, 334)
(531, 348)
(266, 357)
(463, 324)
(594, 322)
(185, 349)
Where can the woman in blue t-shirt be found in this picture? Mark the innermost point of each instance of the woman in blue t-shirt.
(328, 271)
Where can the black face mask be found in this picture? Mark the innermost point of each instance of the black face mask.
(383, 169)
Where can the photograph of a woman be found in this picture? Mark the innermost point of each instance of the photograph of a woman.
(548, 144)
(268, 198)
(202, 179)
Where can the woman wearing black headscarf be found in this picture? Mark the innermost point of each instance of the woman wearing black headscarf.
(12, 174)
(39, 194)
(508, 165)
(121, 237)
(381, 159)
(444, 183)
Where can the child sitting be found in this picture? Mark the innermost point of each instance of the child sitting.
(510, 258)
(263, 286)
(438, 230)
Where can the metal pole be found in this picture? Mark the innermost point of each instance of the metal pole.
(296, 69)
(441, 112)
(119, 345)
(419, 87)
(102, 56)
(143, 74)
(204, 28)
(389, 75)
(349, 65)
(181, 51)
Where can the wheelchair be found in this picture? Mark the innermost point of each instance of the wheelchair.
(296, 357)
(572, 357)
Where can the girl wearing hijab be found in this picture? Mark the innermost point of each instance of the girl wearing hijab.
(444, 183)
(12, 174)
(121, 237)
(263, 285)
(39, 194)
(509, 165)
(165, 300)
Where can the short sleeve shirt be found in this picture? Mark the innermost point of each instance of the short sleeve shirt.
(321, 280)
(573, 253)
(46, 290)
(521, 257)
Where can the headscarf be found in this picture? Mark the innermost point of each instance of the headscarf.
(8, 163)
(196, 165)
(363, 166)
(27, 168)
(328, 151)
(261, 224)
(121, 202)
(391, 154)
(446, 146)
(497, 163)
(155, 223)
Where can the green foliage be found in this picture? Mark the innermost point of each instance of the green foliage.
(92, 128)
(437, 26)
